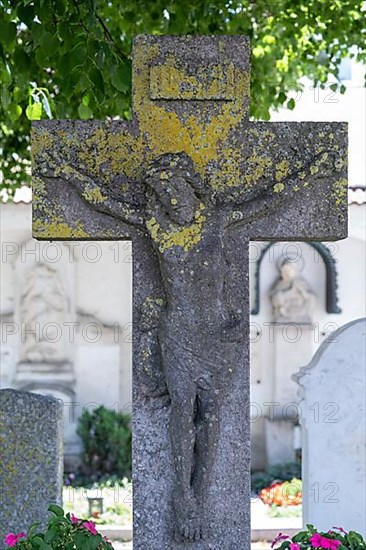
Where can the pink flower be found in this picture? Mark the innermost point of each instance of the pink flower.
(294, 546)
(11, 539)
(74, 519)
(323, 542)
(316, 540)
(279, 537)
(90, 526)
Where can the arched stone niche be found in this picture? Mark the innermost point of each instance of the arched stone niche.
(331, 285)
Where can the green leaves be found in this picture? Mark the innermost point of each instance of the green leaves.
(96, 79)
(84, 111)
(56, 510)
(14, 111)
(74, 50)
(8, 32)
(26, 13)
(39, 103)
(121, 77)
(22, 61)
(34, 111)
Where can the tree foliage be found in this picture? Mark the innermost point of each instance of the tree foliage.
(71, 58)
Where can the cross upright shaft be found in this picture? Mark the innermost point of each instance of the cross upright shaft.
(190, 181)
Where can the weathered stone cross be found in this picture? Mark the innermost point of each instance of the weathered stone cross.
(190, 181)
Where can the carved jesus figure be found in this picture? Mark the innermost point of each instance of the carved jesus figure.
(199, 331)
(197, 328)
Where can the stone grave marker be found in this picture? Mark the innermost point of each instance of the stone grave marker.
(190, 181)
(333, 416)
(31, 463)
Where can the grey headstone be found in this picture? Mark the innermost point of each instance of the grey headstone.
(333, 419)
(31, 458)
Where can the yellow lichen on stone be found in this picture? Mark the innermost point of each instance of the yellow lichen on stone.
(149, 301)
(39, 193)
(167, 81)
(257, 166)
(229, 172)
(202, 135)
(278, 187)
(94, 196)
(91, 193)
(340, 163)
(165, 175)
(268, 136)
(340, 189)
(41, 140)
(108, 154)
(186, 237)
(164, 81)
(282, 170)
(58, 229)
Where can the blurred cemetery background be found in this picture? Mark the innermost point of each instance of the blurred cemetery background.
(66, 330)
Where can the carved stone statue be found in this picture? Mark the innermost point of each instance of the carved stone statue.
(292, 299)
(43, 308)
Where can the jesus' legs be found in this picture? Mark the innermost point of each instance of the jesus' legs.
(182, 436)
(207, 434)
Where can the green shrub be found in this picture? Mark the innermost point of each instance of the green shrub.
(286, 471)
(260, 480)
(106, 437)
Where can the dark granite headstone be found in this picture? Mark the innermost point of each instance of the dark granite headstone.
(31, 459)
(190, 181)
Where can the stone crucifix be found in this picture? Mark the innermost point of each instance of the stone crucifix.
(190, 181)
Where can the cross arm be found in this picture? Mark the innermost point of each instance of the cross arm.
(293, 183)
(82, 168)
